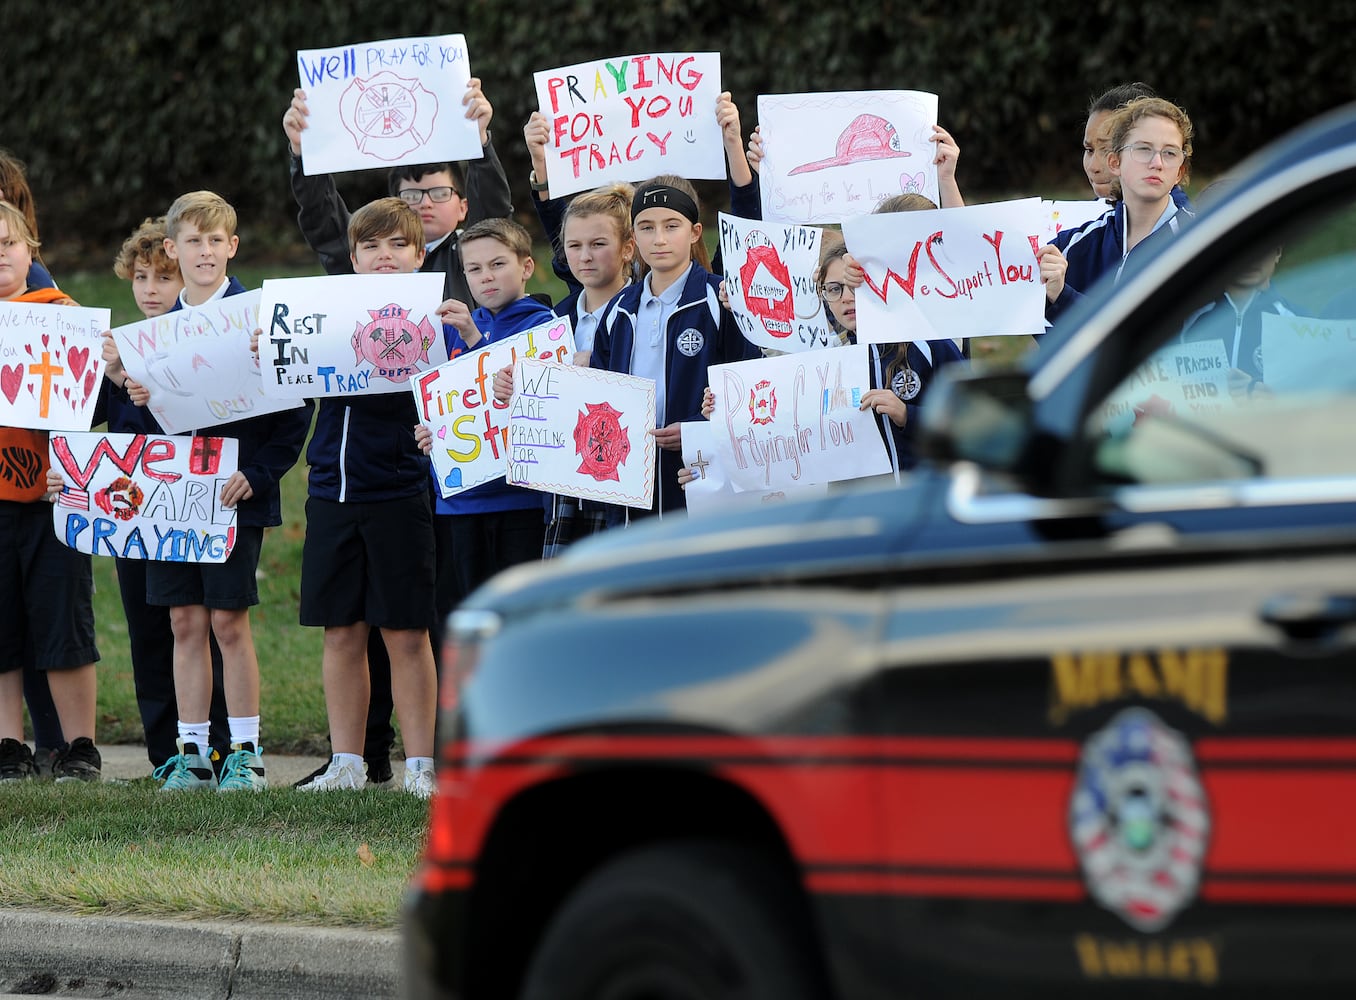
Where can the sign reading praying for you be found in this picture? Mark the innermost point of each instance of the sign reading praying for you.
(582, 432)
(456, 401)
(141, 496)
(50, 365)
(770, 283)
(382, 104)
(969, 272)
(830, 157)
(780, 422)
(349, 334)
(632, 117)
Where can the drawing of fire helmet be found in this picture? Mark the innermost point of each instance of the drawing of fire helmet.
(867, 137)
(388, 115)
(392, 343)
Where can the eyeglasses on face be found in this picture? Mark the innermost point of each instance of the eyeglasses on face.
(1142, 152)
(832, 290)
(413, 196)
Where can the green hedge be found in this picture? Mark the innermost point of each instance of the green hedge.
(117, 108)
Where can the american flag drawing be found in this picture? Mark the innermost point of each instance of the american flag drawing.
(71, 497)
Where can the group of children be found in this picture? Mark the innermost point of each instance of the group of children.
(385, 556)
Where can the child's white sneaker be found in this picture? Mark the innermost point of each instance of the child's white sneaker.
(419, 778)
(340, 775)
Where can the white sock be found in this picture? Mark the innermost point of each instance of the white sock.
(354, 760)
(196, 733)
(244, 729)
(413, 764)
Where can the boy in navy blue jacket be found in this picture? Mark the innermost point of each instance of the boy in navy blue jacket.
(494, 525)
(202, 598)
(368, 558)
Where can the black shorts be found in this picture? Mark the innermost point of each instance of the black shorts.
(47, 613)
(229, 586)
(368, 562)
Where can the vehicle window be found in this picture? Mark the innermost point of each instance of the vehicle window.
(1259, 383)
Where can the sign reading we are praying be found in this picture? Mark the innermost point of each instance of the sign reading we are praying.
(631, 117)
(143, 496)
(949, 272)
(50, 365)
(382, 104)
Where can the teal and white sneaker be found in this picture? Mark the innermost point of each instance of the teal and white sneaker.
(187, 770)
(243, 770)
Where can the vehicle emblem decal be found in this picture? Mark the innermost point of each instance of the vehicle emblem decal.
(1139, 819)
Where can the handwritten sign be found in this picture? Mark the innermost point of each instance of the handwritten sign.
(796, 419)
(1180, 379)
(582, 432)
(456, 401)
(971, 272)
(712, 492)
(770, 281)
(349, 334)
(382, 104)
(632, 117)
(197, 364)
(138, 496)
(829, 157)
(1062, 215)
(50, 365)
(1304, 354)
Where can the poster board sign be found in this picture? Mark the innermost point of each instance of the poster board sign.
(349, 334)
(143, 496)
(830, 157)
(51, 362)
(456, 401)
(1179, 379)
(1306, 354)
(971, 272)
(197, 364)
(582, 432)
(711, 492)
(770, 282)
(1062, 215)
(631, 117)
(794, 419)
(383, 104)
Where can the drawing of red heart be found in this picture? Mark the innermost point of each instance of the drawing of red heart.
(77, 357)
(442, 432)
(67, 392)
(11, 377)
(89, 383)
(46, 339)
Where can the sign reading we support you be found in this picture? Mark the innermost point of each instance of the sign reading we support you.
(970, 272)
(796, 419)
(631, 117)
(1307, 354)
(50, 365)
(582, 432)
(197, 364)
(139, 496)
(456, 401)
(349, 334)
(770, 282)
(380, 104)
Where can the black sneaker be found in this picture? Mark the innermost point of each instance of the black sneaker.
(44, 760)
(16, 761)
(313, 775)
(80, 761)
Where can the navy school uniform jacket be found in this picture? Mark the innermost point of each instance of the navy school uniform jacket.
(1240, 333)
(496, 495)
(1098, 247)
(551, 214)
(268, 446)
(923, 359)
(700, 333)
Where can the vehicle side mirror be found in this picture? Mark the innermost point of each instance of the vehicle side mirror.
(979, 418)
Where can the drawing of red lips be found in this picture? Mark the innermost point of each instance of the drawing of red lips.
(767, 289)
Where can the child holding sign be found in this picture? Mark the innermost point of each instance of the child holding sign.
(47, 619)
(494, 525)
(1149, 155)
(670, 327)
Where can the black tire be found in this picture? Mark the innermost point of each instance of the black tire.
(688, 920)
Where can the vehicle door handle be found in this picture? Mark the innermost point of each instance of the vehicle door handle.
(1309, 616)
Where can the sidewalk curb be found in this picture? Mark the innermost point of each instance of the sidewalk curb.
(91, 956)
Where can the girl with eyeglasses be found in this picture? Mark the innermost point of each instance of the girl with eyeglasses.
(1148, 156)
